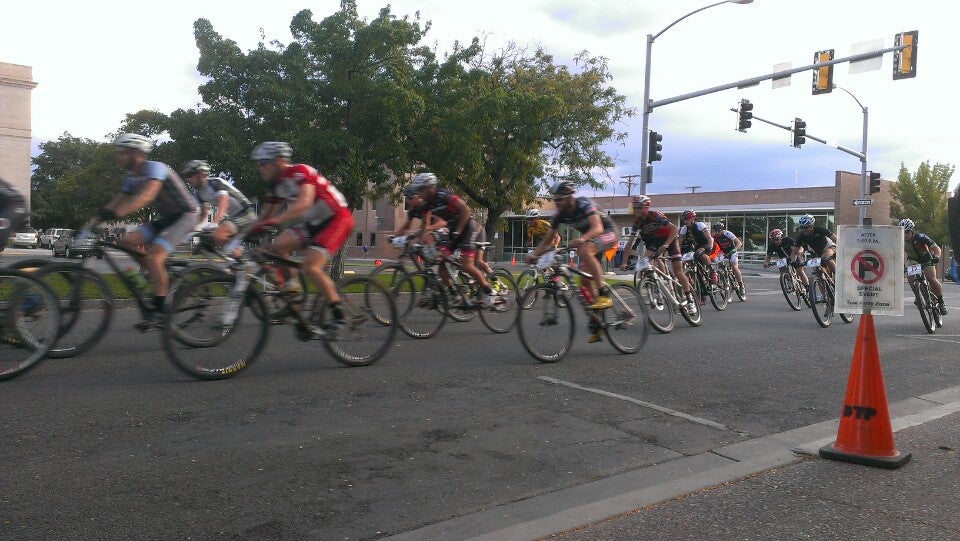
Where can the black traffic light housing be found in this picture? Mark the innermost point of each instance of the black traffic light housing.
(745, 113)
(874, 182)
(799, 132)
(653, 152)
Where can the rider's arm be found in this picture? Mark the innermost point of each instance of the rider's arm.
(544, 245)
(223, 203)
(269, 209)
(403, 228)
(628, 249)
(463, 215)
(596, 229)
(125, 205)
(738, 244)
(304, 201)
(674, 231)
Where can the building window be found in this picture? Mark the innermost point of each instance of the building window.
(359, 238)
(373, 239)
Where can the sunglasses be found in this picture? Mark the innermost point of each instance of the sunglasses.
(559, 199)
(264, 162)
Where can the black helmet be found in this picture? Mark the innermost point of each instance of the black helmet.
(563, 187)
(717, 226)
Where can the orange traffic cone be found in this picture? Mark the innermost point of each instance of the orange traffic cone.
(377, 262)
(865, 435)
(513, 262)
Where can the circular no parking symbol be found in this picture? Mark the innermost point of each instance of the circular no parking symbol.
(867, 267)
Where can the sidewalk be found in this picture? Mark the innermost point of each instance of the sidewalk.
(770, 488)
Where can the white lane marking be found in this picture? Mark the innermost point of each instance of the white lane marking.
(668, 411)
(931, 338)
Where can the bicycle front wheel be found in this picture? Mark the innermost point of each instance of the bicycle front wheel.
(659, 310)
(362, 337)
(421, 305)
(29, 322)
(625, 322)
(525, 281)
(86, 307)
(502, 316)
(791, 291)
(820, 302)
(546, 327)
(717, 292)
(197, 338)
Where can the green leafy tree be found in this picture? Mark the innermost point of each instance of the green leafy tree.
(72, 177)
(922, 197)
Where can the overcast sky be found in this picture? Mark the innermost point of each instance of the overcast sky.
(97, 61)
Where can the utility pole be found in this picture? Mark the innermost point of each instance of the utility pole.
(693, 189)
(629, 183)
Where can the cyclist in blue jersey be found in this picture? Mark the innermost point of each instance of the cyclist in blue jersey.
(153, 184)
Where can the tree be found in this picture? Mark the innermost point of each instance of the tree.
(72, 177)
(923, 198)
(499, 128)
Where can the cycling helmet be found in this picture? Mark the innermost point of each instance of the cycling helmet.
(271, 150)
(195, 166)
(135, 141)
(717, 226)
(563, 187)
(907, 224)
(688, 215)
(533, 213)
(408, 191)
(805, 221)
(423, 180)
(641, 201)
(776, 234)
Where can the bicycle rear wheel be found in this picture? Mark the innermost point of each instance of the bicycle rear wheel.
(502, 316)
(546, 327)
(421, 305)
(199, 343)
(363, 336)
(625, 324)
(29, 322)
(659, 310)
(86, 307)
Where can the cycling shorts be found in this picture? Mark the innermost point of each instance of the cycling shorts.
(168, 231)
(327, 236)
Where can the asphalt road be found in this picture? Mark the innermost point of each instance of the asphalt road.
(117, 444)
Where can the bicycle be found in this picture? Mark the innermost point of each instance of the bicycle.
(821, 294)
(661, 292)
(392, 275)
(425, 301)
(535, 275)
(29, 322)
(546, 320)
(216, 326)
(698, 276)
(793, 289)
(925, 301)
(728, 278)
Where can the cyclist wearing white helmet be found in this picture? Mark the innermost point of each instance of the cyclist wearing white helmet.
(659, 236)
(922, 249)
(465, 231)
(537, 227)
(597, 235)
(153, 184)
(299, 195)
(232, 211)
(819, 241)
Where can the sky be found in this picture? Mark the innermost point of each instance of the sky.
(94, 62)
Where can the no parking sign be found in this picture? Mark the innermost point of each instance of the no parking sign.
(870, 269)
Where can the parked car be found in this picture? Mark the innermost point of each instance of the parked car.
(68, 246)
(50, 235)
(27, 238)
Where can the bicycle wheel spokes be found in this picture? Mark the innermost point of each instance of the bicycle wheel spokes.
(86, 307)
(922, 300)
(525, 281)
(820, 302)
(626, 322)
(391, 276)
(502, 316)
(362, 337)
(29, 322)
(197, 340)
(790, 289)
(421, 306)
(659, 311)
(546, 327)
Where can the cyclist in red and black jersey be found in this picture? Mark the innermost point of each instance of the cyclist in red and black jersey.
(922, 249)
(818, 240)
(659, 235)
(781, 247)
(697, 238)
(322, 219)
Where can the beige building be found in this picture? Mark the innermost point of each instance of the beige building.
(16, 84)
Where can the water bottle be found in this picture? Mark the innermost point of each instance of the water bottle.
(235, 296)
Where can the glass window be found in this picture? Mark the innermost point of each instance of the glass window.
(373, 239)
(359, 238)
(755, 234)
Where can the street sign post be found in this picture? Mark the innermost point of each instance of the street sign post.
(870, 270)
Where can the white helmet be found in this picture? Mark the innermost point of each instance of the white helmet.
(271, 150)
(533, 213)
(422, 180)
(907, 224)
(135, 141)
(805, 221)
(195, 166)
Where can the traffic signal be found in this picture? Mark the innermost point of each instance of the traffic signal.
(655, 147)
(874, 182)
(823, 76)
(905, 60)
(745, 113)
(799, 132)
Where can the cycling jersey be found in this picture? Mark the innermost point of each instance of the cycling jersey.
(441, 205)
(173, 199)
(214, 187)
(697, 235)
(578, 218)
(781, 251)
(919, 246)
(652, 227)
(539, 228)
(726, 240)
(816, 241)
(328, 202)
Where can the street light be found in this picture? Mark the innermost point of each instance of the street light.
(645, 130)
(863, 152)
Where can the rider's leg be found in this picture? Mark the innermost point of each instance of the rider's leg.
(588, 260)
(285, 244)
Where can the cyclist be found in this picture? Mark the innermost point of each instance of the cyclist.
(923, 250)
(697, 238)
(728, 243)
(781, 246)
(818, 240)
(232, 211)
(13, 211)
(659, 235)
(537, 227)
(321, 218)
(157, 185)
(465, 231)
(413, 203)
